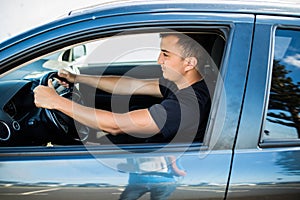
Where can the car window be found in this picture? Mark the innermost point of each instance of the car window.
(283, 118)
(131, 54)
(123, 49)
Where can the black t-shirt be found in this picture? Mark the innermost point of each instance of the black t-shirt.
(182, 115)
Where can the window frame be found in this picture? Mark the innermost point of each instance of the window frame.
(226, 20)
(75, 150)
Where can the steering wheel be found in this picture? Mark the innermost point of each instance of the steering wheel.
(65, 124)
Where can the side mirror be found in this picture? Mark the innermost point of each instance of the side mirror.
(72, 54)
(79, 51)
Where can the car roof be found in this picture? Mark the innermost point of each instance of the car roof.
(126, 7)
(269, 7)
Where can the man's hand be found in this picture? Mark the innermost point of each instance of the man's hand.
(45, 96)
(66, 75)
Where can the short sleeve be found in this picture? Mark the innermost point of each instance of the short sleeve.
(178, 115)
(166, 116)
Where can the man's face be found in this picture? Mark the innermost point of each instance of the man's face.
(170, 59)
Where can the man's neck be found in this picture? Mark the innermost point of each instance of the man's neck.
(189, 80)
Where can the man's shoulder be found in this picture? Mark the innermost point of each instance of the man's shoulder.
(201, 87)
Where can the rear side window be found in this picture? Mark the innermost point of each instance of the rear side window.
(283, 118)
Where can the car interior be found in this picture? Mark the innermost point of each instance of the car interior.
(23, 124)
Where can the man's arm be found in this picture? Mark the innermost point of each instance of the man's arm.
(138, 121)
(116, 84)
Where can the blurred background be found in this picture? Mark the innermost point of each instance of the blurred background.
(20, 15)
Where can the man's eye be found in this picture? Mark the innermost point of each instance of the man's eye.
(166, 55)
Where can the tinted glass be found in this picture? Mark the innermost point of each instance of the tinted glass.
(283, 119)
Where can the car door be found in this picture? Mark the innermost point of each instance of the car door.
(266, 158)
(199, 171)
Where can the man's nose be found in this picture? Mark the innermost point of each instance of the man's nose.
(160, 58)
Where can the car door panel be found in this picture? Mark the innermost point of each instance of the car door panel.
(101, 176)
(263, 170)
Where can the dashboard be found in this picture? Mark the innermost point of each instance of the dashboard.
(17, 109)
(23, 124)
(20, 105)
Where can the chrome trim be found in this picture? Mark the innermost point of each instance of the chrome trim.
(16, 125)
(8, 131)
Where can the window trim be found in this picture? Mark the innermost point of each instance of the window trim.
(75, 151)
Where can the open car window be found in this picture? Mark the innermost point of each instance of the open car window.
(133, 55)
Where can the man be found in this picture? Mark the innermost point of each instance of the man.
(182, 115)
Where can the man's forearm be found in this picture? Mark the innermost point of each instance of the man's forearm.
(97, 119)
(121, 84)
(138, 121)
(111, 84)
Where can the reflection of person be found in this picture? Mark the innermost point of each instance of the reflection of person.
(183, 110)
(155, 175)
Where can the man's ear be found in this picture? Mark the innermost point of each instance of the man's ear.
(191, 63)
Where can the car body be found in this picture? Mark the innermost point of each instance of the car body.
(243, 155)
